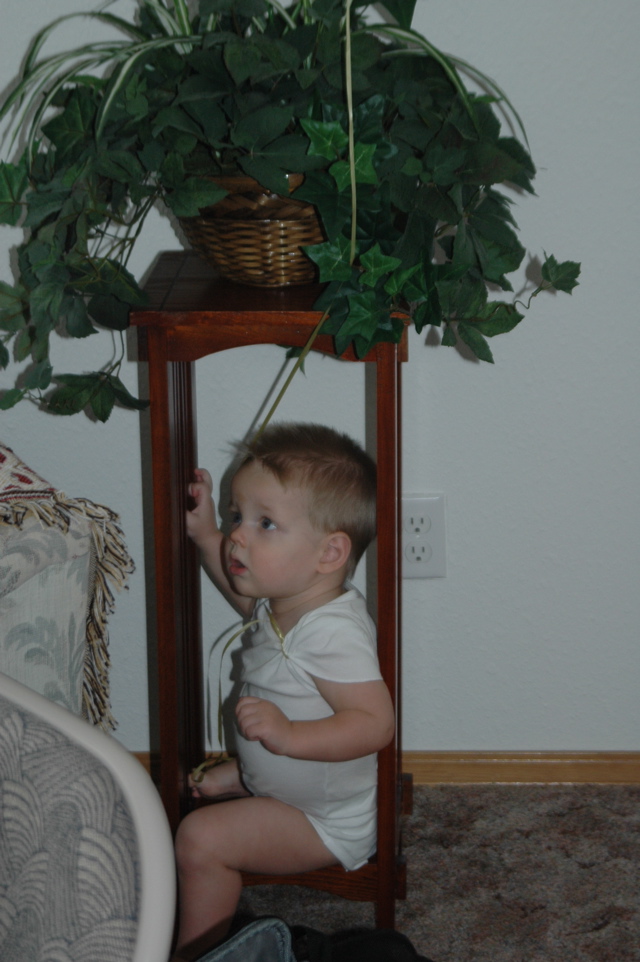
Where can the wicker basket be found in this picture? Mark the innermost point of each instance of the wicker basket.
(254, 237)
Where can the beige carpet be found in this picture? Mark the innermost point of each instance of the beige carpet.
(506, 873)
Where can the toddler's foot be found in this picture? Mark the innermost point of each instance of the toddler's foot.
(220, 781)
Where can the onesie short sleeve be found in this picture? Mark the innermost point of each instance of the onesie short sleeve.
(336, 642)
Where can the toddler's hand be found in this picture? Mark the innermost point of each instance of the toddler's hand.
(201, 519)
(262, 721)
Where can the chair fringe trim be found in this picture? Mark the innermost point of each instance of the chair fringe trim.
(111, 564)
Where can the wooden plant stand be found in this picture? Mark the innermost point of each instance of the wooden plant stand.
(192, 314)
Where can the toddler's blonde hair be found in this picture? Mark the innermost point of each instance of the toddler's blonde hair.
(339, 477)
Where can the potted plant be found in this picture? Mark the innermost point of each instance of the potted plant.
(404, 166)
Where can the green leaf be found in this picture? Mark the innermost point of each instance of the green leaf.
(74, 395)
(463, 249)
(43, 256)
(38, 377)
(210, 118)
(365, 52)
(124, 397)
(514, 149)
(45, 260)
(44, 302)
(242, 59)
(71, 129)
(412, 167)
(184, 144)
(77, 320)
(11, 308)
(333, 207)
(268, 174)
(289, 152)
(136, 103)
(416, 242)
(41, 205)
(260, 127)
(22, 344)
(108, 277)
(176, 119)
(195, 194)
(100, 391)
(120, 165)
(172, 172)
(461, 292)
(399, 279)
(496, 260)
(493, 219)
(108, 311)
(307, 77)
(10, 398)
(562, 276)
(328, 139)
(369, 120)
(10, 297)
(363, 161)
(426, 312)
(499, 318)
(402, 10)
(488, 164)
(438, 204)
(152, 155)
(332, 259)
(282, 57)
(376, 264)
(364, 315)
(13, 184)
(449, 338)
(442, 165)
(102, 401)
(474, 340)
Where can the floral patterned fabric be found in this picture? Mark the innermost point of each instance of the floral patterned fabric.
(44, 601)
(60, 561)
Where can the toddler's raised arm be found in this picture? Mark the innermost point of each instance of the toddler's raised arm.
(202, 528)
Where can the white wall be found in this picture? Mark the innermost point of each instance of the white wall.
(530, 642)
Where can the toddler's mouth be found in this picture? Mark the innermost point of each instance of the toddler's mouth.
(235, 567)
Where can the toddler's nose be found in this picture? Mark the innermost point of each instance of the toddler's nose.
(237, 534)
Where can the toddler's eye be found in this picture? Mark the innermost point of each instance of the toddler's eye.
(267, 524)
(236, 518)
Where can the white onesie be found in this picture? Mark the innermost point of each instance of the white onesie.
(336, 642)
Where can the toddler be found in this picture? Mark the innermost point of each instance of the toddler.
(314, 710)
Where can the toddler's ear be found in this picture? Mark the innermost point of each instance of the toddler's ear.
(336, 552)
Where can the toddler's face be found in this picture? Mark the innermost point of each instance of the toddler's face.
(273, 551)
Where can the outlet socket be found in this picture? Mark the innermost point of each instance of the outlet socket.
(423, 536)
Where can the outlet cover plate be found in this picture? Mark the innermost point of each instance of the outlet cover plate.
(423, 536)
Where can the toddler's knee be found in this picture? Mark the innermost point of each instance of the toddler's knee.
(191, 847)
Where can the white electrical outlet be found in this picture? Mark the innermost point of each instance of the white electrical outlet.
(423, 536)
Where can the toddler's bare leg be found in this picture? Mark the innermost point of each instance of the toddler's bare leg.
(215, 844)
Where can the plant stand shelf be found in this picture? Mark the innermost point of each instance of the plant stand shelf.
(192, 314)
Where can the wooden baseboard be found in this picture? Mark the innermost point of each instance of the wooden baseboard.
(145, 760)
(483, 768)
(605, 768)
